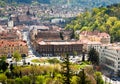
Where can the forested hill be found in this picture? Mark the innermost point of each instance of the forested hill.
(102, 19)
(82, 3)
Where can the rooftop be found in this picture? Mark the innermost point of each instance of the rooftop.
(59, 43)
(4, 43)
(95, 33)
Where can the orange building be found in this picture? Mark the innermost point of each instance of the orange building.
(8, 47)
(95, 36)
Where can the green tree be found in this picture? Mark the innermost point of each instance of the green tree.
(66, 72)
(26, 80)
(101, 19)
(17, 71)
(18, 81)
(40, 80)
(53, 61)
(93, 56)
(83, 78)
(74, 53)
(49, 81)
(3, 64)
(33, 73)
(10, 81)
(3, 78)
(2, 3)
(74, 80)
(98, 78)
(17, 56)
(11, 67)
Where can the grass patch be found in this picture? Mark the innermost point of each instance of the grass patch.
(81, 65)
(51, 61)
(39, 60)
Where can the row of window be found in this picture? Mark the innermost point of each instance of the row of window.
(59, 49)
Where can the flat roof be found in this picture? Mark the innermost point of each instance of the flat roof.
(59, 43)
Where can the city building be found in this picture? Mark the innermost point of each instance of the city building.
(55, 48)
(110, 58)
(95, 36)
(8, 47)
(10, 34)
(54, 43)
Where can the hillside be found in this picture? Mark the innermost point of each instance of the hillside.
(102, 19)
(82, 3)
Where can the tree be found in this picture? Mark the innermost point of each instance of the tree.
(98, 78)
(17, 72)
(17, 56)
(11, 67)
(33, 73)
(18, 81)
(11, 81)
(3, 64)
(93, 56)
(53, 61)
(74, 80)
(101, 19)
(83, 78)
(26, 80)
(66, 69)
(40, 80)
(74, 53)
(3, 78)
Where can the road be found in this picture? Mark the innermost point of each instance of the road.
(108, 80)
(31, 51)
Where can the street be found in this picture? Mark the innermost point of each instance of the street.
(108, 80)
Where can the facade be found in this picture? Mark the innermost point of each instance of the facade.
(58, 48)
(95, 45)
(110, 57)
(7, 47)
(10, 34)
(95, 36)
(54, 43)
(49, 35)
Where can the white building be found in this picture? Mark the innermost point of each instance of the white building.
(10, 24)
(95, 45)
(110, 57)
(57, 20)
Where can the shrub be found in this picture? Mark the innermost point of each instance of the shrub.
(3, 78)
(40, 80)
(18, 81)
(8, 74)
(10, 81)
(53, 61)
(26, 80)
